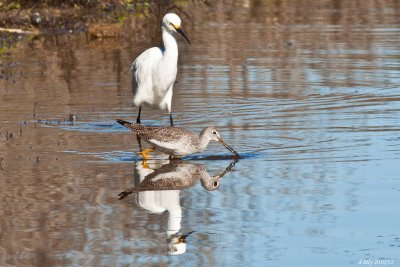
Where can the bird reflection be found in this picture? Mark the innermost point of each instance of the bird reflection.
(158, 184)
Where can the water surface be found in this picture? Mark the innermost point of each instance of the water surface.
(308, 93)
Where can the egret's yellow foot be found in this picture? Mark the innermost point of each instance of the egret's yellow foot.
(144, 153)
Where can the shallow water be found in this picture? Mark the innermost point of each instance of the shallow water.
(307, 92)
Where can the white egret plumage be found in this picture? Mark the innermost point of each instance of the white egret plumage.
(154, 71)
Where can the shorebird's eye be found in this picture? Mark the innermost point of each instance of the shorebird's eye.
(214, 132)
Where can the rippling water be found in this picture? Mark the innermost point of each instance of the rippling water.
(307, 92)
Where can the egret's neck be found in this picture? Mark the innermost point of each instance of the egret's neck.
(170, 44)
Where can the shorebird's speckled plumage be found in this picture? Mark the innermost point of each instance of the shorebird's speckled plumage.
(176, 141)
(177, 175)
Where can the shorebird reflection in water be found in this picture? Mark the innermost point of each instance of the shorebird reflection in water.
(158, 184)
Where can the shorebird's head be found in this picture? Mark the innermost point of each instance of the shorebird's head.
(172, 23)
(212, 134)
(211, 183)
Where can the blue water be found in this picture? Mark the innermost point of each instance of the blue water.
(311, 103)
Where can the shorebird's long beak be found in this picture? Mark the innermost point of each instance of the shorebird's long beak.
(228, 147)
(181, 32)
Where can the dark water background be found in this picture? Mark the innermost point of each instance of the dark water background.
(307, 91)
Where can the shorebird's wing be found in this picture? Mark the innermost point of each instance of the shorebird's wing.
(166, 135)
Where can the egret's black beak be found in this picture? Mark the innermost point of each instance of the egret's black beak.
(229, 148)
(181, 32)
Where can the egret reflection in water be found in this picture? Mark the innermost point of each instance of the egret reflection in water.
(157, 187)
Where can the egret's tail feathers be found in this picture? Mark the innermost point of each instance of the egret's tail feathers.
(132, 126)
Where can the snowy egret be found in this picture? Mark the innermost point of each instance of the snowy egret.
(176, 141)
(154, 71)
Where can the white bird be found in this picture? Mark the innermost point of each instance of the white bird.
(154, 71)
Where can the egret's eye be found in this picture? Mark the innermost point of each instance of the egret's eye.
(214, 132)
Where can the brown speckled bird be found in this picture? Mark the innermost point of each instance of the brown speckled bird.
(176, 141)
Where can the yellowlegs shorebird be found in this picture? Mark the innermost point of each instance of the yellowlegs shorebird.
(174, 175)
(176, 141)
(154, 71)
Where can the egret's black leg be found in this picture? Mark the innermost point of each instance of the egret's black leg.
(170, 119)
(138, 115)
(139, 142)
(138, 121)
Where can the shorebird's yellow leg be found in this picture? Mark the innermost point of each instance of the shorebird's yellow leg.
(144, 153)
(145, 164)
